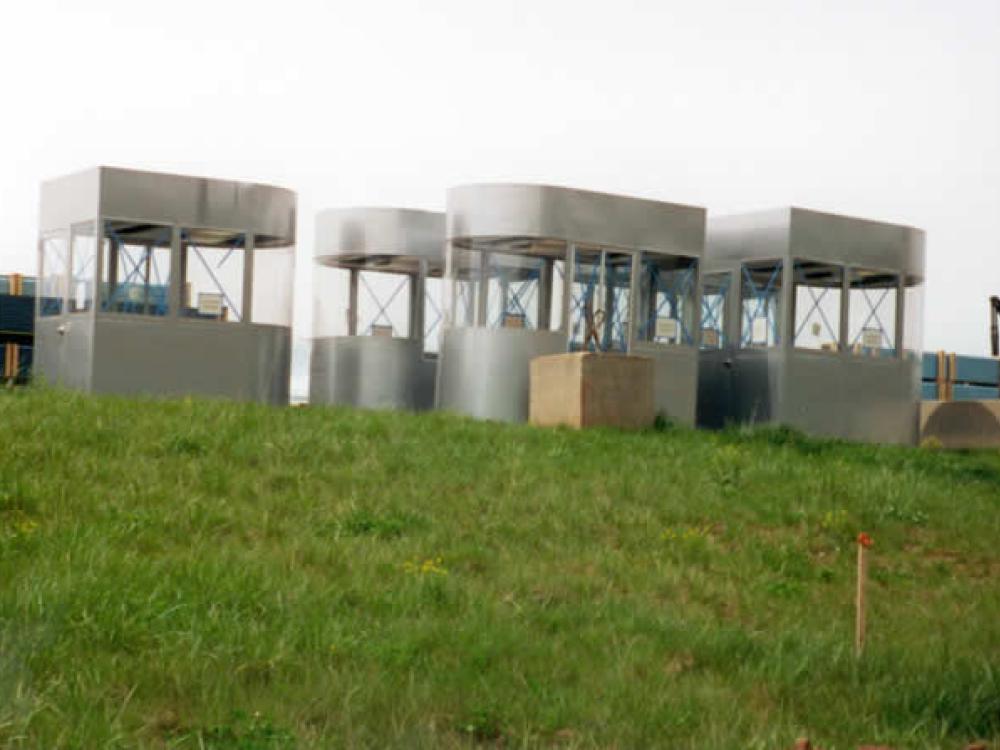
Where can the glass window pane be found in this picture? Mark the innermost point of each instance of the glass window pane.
(871, 326)
(666, 302)
(135, 275)
(760, 297)
(384, 304)
(583, 300)
(331, 301)
(84, 260)
(462, 285)
(55, 257)
(433, 314)
(715, 293)
(273, 283)
(913, 312)
(513, 290)
(600, 301)
(213, 264)
(523, 280)
(817, 300)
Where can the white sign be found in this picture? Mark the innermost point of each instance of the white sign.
(210, 304)
(384, 331)
(667, 328)
(710, 338)
(759, 332)
(136, 293)
(513, 320)
(871, 338)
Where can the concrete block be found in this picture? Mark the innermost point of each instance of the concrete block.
(586, 389)
(961, 424)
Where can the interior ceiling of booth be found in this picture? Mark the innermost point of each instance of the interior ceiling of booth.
(145, 233)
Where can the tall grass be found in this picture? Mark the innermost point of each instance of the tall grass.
(198, 574)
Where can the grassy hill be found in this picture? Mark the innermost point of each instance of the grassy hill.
(197, 574)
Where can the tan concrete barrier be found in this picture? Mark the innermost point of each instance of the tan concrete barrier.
(961, 424)
(585, 389)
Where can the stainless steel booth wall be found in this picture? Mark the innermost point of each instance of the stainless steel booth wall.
(485, 372)
(371, 372)
(132, 355)
(868, 400)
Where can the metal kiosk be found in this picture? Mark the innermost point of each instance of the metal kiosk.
(165, 284)
(813, 320)
(535, 270)
(377, 310)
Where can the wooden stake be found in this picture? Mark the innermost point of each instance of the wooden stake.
(864, 542)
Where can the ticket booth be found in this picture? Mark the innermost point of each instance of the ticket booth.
(535, 270)
(165, 284)
(377, 307)
(815, 321)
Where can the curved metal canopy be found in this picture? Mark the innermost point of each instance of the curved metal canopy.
(538, 219)
(381, 239)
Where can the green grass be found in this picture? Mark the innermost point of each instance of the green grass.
(197, 574)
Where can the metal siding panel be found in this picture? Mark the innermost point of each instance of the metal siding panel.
(133, 355)
(370, 372)
(485, 372)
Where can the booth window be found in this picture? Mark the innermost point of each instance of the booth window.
(462, 288)
(510, 284)
(55, 260)
(513, 293)
(384, 304)
(871, 315)
(760, 304)
(817, 301)
(213, 265)
(273, 282)
(83, 241)
(135, 263)
(714, 296)
(433, 314)
(331, 295)
(667, 300)
(600, 300)
(913, 317)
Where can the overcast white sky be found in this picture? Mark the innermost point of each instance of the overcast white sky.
(887, 109)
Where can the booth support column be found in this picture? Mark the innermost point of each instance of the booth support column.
(249, 248)
(178, 263)
(352, 304)
(845, 305)
(900, 313)
(545, 295)
(417, 291)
